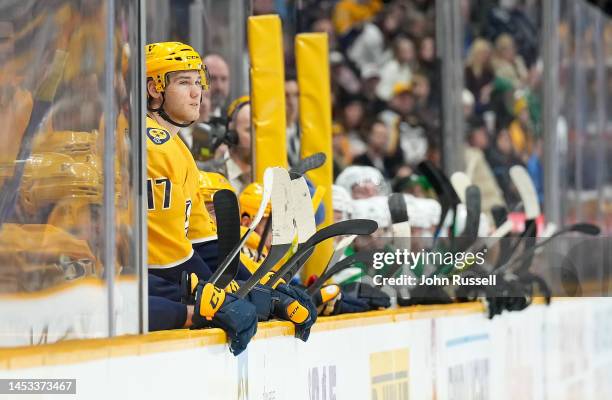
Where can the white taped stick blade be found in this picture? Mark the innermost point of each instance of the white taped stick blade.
(268, 183)
(283, 228)
(401, 230)
(340, 248)
(460, 182)
(523, 183)
(302, 209)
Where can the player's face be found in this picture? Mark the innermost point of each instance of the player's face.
(183, 94)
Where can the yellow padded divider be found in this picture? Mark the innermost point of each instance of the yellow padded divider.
(267, 93)
(311, 52)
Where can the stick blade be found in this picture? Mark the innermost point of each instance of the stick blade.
(228, 232)
(306, 164)
(523, 183)
(302, 209)
(460, 182)
(283, 228)
(397, 208)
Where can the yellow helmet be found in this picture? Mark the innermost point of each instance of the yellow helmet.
(164, 57)
(210, 182)
(251, 198)
(67, 142)
(50, 177)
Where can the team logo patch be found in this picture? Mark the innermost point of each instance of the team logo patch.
(158, 136)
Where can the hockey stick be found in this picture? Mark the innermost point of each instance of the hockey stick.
(472, 218)
(303, 214)
(350, 227)
(228, 234)
(584, 228)
(524, 185)
(397, 208)
(283, 229)
(42, 103)
(527, 192)
(365, 257)
(268, 182)
(446, 194)
(309, 163)
(460, 182)
(340, 249)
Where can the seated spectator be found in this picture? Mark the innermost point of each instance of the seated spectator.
(507, 18)
(426, 109)
(509, 65)
(292, 115)
(521, 130)
(352, 114)
(349, 13)
(476, 166)
(219, 83)
(398, 69)
(370, 77)
(341, 148)
(324, 24)
(479, 73)
(501, 158)
(377, 135)
(367, 48)
(408, 139)
(344, 81)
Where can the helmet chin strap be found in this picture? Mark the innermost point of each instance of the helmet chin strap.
(162, 113)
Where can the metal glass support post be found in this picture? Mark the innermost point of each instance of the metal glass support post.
(108, 212)
(550, 112)
(449, 40)
(139, 168)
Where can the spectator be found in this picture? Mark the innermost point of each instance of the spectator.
(507, 18)
(426, 110)
(367, 48)
(509, 65)
(501, 158)
(351, 118)
(324, 25)
(535, 169)
(219, 83)
(521, 130)
(349, 13)
(479, 73)
(344, 81)
(370, 77)
(408, 140)
(376, 151)
(341, 148)
(399, 69)
(467, 100)
(292, 115)
(476, 166)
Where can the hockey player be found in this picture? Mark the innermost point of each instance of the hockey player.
(177, 218)
(182, 235)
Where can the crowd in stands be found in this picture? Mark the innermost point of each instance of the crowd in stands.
(386, 87)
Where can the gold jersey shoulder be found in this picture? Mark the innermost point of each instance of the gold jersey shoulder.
(176, 216)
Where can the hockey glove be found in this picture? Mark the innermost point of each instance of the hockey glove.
(268, 276)
(214, 308)
(330, 300)
(293, 304)
(373, 296)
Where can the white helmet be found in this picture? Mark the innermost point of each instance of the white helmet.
(375, 208)
(358, 175)
(342, 201)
